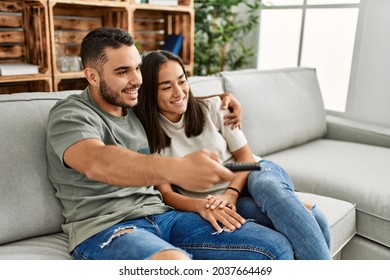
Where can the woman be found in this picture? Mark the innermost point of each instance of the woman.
(177, 123)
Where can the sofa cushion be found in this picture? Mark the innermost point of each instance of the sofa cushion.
(282, 108)
(50, 247)
(348, 171)
(360, 248)
(341, 217)
(28, 206)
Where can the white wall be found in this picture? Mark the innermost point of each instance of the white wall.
(369, 95)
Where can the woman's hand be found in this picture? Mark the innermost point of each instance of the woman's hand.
(222, 200)
(230, 102)
(226, 217)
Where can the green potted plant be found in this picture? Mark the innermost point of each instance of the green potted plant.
(220, 29)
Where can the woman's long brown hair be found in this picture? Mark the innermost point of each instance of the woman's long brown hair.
(147, 109)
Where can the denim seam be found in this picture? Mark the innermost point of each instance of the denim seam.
(231, 248)
(152, 221)
(76, 252)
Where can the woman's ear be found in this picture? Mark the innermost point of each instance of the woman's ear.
(92, 76)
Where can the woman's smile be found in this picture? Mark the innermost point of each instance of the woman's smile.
(178, 102)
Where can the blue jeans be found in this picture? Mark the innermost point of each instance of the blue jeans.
(184, 231)
(270, 200)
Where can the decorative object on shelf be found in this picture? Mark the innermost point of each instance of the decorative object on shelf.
(219, 32)
(69, 63)
(164, 2)
(173, 43)
(10, 69)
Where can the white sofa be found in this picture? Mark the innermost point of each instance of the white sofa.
(326, 156)
(284, 121)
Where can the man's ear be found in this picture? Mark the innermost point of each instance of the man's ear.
(92, 76)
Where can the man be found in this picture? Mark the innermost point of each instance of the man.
(103, 175)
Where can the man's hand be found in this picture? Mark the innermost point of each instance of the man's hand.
(198, 171)
(230, 102)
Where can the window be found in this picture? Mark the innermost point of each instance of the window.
(312, 33)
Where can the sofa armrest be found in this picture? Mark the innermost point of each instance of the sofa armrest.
(341, 128)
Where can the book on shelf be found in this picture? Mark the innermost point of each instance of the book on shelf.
(10, 69)
(164, 2)
(173, 43)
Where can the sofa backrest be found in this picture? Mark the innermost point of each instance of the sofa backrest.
(206, 85)
(28, 206)
(282, 108)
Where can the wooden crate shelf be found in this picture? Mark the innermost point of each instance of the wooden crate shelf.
(26, 84)
(39, 32)
(18, 44)
(71, 21)
(71, 83)
(181, 3)
(151, 26)
(188, 3)
(104, 2)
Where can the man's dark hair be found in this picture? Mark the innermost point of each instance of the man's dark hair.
(95, 43)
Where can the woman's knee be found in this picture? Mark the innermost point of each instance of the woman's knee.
(269, 180)
(259, 182)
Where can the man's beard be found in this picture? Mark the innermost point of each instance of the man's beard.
(110, 97)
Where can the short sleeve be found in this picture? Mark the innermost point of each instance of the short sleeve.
(235, 138)
(70, 122)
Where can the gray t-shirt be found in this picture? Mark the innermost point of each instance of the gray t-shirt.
(90, 206)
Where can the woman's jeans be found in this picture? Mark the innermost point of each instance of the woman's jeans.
(142, 238)
(270, 200)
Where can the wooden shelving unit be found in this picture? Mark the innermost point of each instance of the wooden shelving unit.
(70, 22)
(152, 23)
(48, 33)
(18, 44)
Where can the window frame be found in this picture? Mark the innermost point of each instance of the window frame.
(304, 6)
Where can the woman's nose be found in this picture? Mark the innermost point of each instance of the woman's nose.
(177, 90)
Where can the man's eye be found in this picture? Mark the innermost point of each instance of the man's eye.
(122, 72)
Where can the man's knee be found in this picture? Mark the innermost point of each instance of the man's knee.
(170, 255)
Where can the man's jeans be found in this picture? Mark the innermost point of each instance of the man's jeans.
(270, 200)
(142, 238)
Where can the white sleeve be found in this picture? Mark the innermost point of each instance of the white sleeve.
(235, 138)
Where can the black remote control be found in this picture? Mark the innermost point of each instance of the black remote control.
(242, 166)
